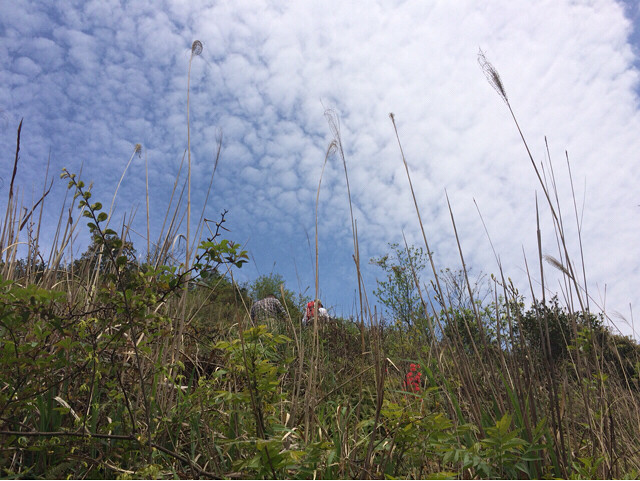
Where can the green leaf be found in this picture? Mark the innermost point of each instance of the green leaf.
(102, 216)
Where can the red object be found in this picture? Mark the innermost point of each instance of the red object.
(413, 378)
(310, 306)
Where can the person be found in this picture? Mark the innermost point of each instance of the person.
(268, 308)
(323, 315)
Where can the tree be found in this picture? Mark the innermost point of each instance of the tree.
(557, 321)
(456, 293)
(461, 311)
(399, 292)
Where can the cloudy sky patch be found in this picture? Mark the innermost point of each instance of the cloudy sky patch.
(92, 79)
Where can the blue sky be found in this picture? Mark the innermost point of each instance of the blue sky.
(94, 78)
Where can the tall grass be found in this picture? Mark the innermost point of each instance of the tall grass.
(113, 366)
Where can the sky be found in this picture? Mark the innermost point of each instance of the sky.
(94, 78)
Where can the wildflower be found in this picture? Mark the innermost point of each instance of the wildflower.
(413, 378)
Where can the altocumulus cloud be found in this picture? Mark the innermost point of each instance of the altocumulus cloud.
(92, 79)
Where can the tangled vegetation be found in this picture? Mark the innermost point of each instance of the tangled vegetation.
(115, 366)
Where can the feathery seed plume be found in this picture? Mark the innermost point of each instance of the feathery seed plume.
(196, 47)
(492, 75)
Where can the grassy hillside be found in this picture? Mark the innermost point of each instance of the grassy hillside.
(124, 365)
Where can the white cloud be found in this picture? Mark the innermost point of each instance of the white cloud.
(94, 80)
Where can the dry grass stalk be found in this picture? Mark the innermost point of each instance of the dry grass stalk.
(314, 360)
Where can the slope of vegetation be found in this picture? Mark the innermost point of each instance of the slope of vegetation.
(124, 366)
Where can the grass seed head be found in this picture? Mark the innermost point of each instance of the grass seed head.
(196, 48)
(492, 75)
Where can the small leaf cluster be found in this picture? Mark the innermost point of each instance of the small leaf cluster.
(105, 237)
(501, 454)
(215, 254)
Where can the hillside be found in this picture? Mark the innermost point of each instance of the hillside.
(120, 363)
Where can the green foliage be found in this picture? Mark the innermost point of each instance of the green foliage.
(501, 454)
(553, 324)
(266, 285)
(465, 324)
(96, 362)
(622, 354)
(422, 437)
(398, 292)
(29, 319)
(112, 368)
(218, 301)
(255, 360)
(215, 254)
(586, 467)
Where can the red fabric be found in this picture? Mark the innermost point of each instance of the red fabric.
(310, 307)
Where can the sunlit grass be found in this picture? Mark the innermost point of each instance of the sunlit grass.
(121, 364)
